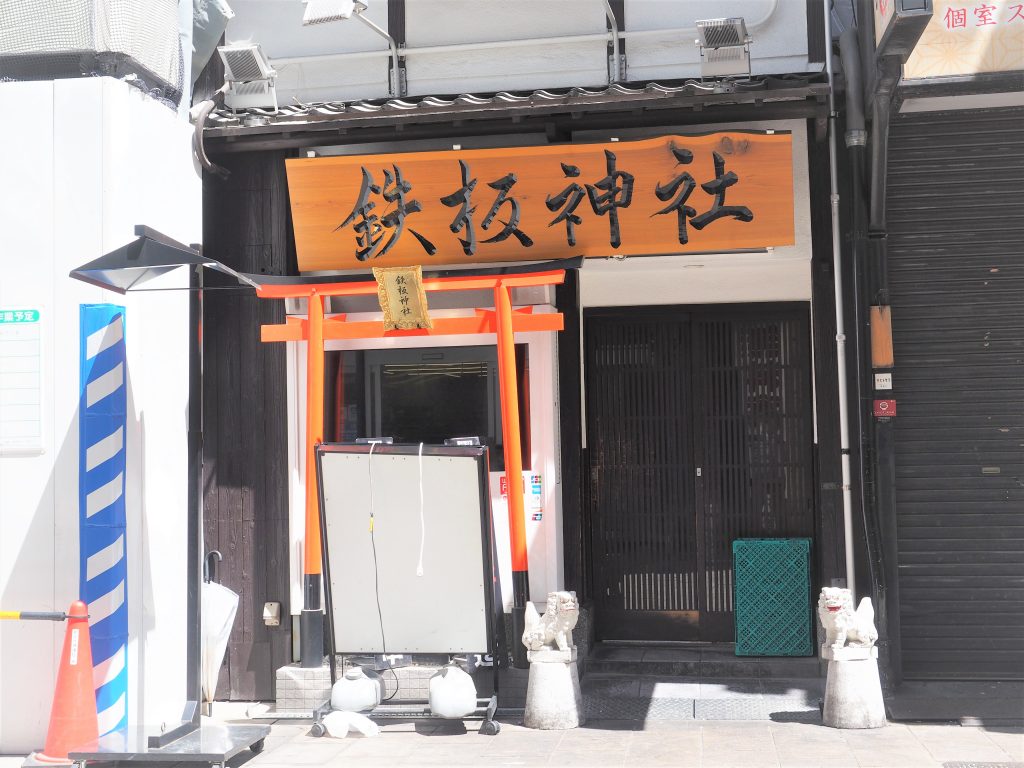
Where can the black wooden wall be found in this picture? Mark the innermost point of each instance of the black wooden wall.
(830, 559)
(575, 529)
(246, 225)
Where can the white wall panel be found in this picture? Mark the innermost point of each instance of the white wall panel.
(527, 67)
(77, 226)
(91, 158)
(163, 192)
(27, 651)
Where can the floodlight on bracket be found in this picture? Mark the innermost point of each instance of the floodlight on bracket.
(249, 76)
(325, 11)
(724, 47)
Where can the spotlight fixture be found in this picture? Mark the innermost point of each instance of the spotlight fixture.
(250, 77)
(724, 47)
(323, 11)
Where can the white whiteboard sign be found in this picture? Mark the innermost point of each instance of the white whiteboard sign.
(447, 607)
(21, 381)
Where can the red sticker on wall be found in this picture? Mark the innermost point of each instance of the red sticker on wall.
(885, 408)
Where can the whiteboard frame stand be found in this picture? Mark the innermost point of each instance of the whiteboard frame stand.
(486, 708)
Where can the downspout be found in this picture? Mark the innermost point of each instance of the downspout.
(837, 276)
(856, 144)
(886, 75)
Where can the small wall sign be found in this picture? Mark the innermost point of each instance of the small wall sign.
(21, 381)
(885, 408)
(533, 493)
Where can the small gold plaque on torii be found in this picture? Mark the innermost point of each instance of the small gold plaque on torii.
(402, 298)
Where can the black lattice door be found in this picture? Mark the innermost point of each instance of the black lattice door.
(754, 433)
(642, 494)
(698, 433)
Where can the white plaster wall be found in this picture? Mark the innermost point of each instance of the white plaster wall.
(84, 161)
(720, 278)
(780, 44)
(30, 486)
(544, 537)
(536, 65)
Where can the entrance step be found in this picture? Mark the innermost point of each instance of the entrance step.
(696, 661)
(619, 697)
(699, 681)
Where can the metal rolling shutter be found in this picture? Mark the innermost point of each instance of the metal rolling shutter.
(956, 266)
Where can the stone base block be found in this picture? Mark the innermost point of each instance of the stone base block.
(553, 698)
(853, 694)
(302, 688)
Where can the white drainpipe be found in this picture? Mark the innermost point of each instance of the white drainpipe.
(837, 275)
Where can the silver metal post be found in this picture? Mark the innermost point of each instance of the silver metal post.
(396, 73)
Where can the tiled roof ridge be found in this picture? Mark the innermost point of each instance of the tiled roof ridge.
(617, 92)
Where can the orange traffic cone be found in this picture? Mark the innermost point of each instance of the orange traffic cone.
(73, 714)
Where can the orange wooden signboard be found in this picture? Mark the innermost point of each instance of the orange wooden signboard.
(731, 190)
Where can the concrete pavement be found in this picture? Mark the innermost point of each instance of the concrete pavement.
(682, 743)
(687, 744)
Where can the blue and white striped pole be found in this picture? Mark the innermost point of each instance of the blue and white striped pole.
(102, 541)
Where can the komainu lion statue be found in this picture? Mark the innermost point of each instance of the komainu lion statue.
(554, 628)
(843, 625)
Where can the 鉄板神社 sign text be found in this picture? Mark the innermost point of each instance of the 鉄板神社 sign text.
(675, 194)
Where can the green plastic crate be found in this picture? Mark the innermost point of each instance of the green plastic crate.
(772, 597)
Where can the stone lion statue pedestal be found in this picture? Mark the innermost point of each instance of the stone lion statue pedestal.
(853, 691)
(553, 697)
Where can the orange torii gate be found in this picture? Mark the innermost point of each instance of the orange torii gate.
(501, 321)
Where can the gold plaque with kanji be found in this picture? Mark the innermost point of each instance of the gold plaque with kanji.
(402, 298)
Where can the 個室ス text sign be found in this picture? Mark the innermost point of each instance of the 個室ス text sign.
(722, 191)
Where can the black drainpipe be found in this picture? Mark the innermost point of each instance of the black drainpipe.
(884, 429)
(856, 143)
(881, 76)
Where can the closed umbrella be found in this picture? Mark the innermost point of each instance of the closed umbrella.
(219, 606)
